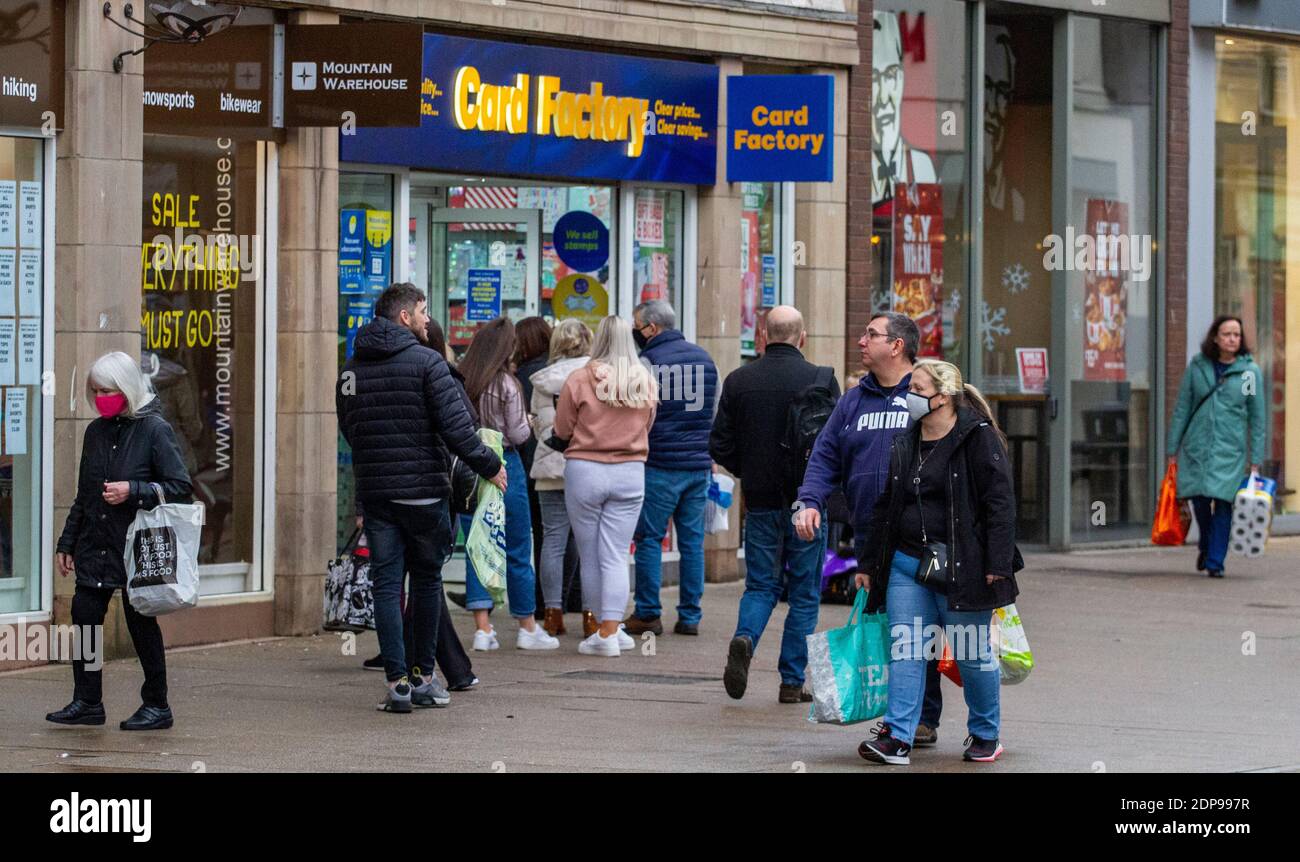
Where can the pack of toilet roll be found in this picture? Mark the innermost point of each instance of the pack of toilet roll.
(1252, 515)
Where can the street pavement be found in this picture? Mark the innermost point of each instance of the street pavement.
(1142, 665)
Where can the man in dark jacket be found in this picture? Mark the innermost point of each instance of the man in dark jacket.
(400, 410)
(747, 436)
(677, 469)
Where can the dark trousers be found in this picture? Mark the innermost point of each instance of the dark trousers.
(450, 654)
(401, 539)
(1214, 521)
(89, 607)
(932, 706)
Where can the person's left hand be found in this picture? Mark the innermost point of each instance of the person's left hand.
(1254, 468)
(115, 493)
(989, 579)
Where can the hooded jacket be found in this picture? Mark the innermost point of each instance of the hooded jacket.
(688, 386)
(852, 452)
(1216, 446)
(400, 409)
(548, 465)
(981, 509)
(137, 450)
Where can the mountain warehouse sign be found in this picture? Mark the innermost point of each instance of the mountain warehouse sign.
(377, 63)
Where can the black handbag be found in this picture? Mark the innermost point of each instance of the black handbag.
(932, 573)
(464, 488)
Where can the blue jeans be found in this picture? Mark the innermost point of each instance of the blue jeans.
(1214, 522)
(912, 608)
(521, 580)
(679, 495)
(770, 543)
(401, 539)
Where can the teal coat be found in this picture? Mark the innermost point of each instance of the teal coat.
(1226, 435)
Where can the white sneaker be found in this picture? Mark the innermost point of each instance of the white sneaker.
(536, 639)
(484, 641)
(597, 645)
(625, 641)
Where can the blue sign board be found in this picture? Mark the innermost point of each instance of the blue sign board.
(483, 292)
(488, 107)
(352, 245)
(780, 128)
(769, 280)
(582, 241)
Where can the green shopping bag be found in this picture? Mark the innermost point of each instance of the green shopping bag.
(486, 543)
(849, 668)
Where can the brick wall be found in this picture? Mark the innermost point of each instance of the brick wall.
(858, 277)
(1175, 250)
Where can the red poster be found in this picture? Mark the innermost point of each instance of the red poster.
(918, 261)
(1105, 306)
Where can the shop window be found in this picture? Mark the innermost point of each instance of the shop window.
(200, 265)
(760, 264)
(365, 261)
(657, 246)
(22, 329)
(920, 238)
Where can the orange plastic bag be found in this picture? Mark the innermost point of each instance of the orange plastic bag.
(948, 665)
(1169, 528)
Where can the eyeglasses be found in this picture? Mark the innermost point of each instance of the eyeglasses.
(872, 334)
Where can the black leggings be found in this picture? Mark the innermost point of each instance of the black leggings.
(89, 607)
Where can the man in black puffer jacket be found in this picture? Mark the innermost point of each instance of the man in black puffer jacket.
(400, 410)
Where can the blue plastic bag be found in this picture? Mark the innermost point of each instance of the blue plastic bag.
(848, 668)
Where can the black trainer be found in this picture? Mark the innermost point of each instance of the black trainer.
(1200, 561)
(78, 712)
(1215, 573)
(376, 663)
(736, 677)
(884, 748)
(982, 750)
(149, 718)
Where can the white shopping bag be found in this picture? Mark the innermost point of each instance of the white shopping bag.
(717, 502)
(1010, 645)
(162, 557)
(1252, 515)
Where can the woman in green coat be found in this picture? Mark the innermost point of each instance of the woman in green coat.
(1217, 434)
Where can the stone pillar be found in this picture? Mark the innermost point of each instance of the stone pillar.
(98, 179)
(307, 366)
(717, 309)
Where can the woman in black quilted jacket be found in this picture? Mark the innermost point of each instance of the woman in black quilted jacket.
(126, 451)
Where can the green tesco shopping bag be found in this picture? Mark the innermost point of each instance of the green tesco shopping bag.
(849, 668)
(486, 543)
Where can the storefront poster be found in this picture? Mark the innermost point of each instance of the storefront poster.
(649, 219)
(29, 282)
(591, 199)
(15, 421)
(580, 297)
(352, 248)
(8, 213)
(769, 280)
(581, 241)
(360, 312)
(749, 276)
(8, 337)
(459, 332)
(541, 125)
(483, 287)
(379, 246)
(8, 282)
(29, 214)
(29, 352)
(918, 261)
(1105, 308)
(553, 202)
(1031, 364)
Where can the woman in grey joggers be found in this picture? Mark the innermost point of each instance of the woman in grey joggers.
(602, 424)
(570, 350)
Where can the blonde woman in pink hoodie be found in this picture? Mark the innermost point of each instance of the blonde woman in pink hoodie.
(602, 424)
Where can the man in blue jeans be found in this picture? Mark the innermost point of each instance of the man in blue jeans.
(747, 440)
(677, 468)
(400, 410)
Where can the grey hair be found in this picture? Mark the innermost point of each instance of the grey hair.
(658, 312)
(902, 326)
(120, 372)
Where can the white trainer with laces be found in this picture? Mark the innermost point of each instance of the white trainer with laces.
(625, 641)
(597, 645)
(536, 639)
(484, 641)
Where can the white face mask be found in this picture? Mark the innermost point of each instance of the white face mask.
(918, 406)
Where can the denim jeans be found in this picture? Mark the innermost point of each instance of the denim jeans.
(679, 495)
(912, 608)
(1214, 522)
(415, 539)
(555, 542)
(771, 543)
(521, 579)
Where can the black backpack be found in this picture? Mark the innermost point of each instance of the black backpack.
(804, 420)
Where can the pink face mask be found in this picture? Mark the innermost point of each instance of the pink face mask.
(110, 405)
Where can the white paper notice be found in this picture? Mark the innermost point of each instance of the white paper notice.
(8, 281)
(15, 421)
(8, 213)
(29, 282)
(8, 333)
(29, 214)
(29, 352)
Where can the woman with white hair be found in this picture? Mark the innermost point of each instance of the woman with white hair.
(602, 425)
(126, 450)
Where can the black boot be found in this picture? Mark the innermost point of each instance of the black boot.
(149, 718)
(78, 712)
